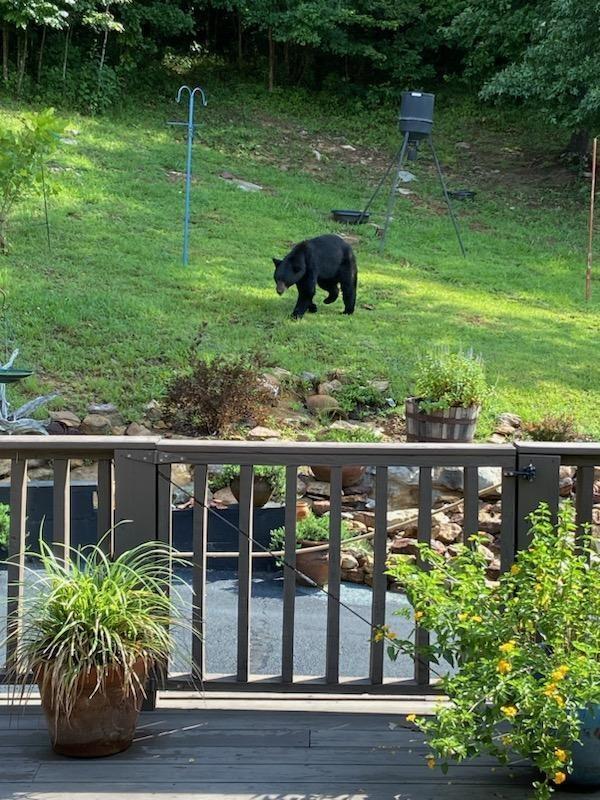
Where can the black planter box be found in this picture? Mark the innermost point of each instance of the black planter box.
(222, 524)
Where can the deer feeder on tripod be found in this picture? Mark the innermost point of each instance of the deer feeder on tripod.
(416, 125)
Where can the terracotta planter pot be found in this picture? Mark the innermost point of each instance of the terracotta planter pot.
(302, 510)
(314, 565)
(350, 475)
(101, 724)
(447, 425)
(262, 491)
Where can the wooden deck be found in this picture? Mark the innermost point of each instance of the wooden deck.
(256, 748)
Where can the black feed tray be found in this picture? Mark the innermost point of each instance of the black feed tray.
(14, 375)
(350, 217)
(462, 194)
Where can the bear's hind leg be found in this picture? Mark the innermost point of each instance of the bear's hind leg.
(333, 295)
(349, 295)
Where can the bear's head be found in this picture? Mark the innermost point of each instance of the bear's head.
(288, 271)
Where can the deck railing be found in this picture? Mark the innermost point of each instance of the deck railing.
(134, 483)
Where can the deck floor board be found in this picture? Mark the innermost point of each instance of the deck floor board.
(332, 751)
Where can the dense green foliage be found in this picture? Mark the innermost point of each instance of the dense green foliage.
(274, 476)
(525, 650)
(85, 53)
(23, 153)
(444, 379)
(309, 529)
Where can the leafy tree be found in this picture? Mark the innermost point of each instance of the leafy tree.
(540, 52)
(22, 155)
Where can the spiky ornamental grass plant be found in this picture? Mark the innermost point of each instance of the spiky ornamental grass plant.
(90, 615)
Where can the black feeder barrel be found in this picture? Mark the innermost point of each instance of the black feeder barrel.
(416, 114)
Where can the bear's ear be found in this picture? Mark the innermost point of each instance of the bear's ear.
(277, 261)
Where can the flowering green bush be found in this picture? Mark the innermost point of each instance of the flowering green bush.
(526, 650)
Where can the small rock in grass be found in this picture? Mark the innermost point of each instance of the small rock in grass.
(260, 434)
(96, 425)
(318, 403)
(329, 387)
(67, 418)
(135, 429)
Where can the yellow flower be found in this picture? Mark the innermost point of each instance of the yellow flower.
(411, 718)
(431, 762)
(561, 755)
(515, 569)
(508, 647)
(559, 777)
(504, 666)
(559, 673)
(509, 711)
(378, 636)
(550, 690)
(507, 739)
(560, 701)
(463, 617)
(418, 615)
(476, 618)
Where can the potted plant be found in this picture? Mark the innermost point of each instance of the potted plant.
(269, 482)
(524, 652)
(449, 391)
(92, 631)
(351, 474)
(310, 532)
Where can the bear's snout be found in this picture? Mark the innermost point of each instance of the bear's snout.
(281, 287)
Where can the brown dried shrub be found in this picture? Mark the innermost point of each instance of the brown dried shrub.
(213, 397)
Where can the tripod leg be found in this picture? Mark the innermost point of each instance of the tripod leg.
(446, 198)
(378, 187)
(392, 197)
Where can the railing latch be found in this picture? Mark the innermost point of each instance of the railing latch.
(527, 473)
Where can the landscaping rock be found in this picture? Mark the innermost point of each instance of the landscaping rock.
(135, 429)
(260, 434)
(403, 546)
(380, 386)
(272, 387)
(281, 374)
(507, 420)
(153, 411)
(224, 497)
(403, 487)
(447, 533)
(329, 387)
(348, 561)
(66, 418)
(318, 489)
(96, 425)
(5, 465)
(321, 403)
(108, 410)
(398, 519)
(321, 507)
(88, 473)
(245, 186)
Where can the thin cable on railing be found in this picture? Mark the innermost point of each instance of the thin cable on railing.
(280, 555)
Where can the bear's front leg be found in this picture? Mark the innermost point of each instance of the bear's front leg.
(306, 293)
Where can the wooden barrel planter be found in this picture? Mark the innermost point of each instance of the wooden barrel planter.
(448, 425)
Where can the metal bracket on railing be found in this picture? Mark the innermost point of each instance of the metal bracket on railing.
(527, 473)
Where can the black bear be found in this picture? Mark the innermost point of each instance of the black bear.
(326, 261)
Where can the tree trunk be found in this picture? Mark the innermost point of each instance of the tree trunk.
(102, 56)
(240, 49)
(41, 56)
(286, 58)
(579, 144)
(66, 54)
(5, 52)
(22, 63)
(271, 60)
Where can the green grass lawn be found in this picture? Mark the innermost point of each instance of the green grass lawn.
(110, 312)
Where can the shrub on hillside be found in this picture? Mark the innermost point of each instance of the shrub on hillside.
(212, 397)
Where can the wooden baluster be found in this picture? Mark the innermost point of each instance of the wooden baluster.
(16, 554)
(471, 502)
(332, 658)
(379, 576)
(199, 548)
(246, 507)
(289, 576)
(422, 672)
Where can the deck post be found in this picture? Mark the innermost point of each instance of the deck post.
(139, 505)
(530, 492)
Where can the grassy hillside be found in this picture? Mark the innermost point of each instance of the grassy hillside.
(110, 312)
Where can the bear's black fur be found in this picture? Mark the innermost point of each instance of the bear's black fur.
(326, 261)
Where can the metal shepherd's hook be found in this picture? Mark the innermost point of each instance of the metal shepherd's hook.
(191, 126)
